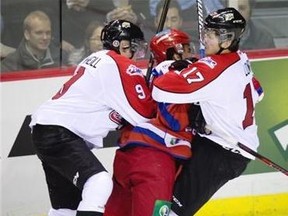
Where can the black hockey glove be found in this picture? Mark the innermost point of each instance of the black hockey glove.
(122, 124)
(179, 65)
(197, 120)
(192, 59)
(118, 119)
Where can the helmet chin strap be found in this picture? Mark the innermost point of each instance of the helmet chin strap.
(132, 55)
(220, 50)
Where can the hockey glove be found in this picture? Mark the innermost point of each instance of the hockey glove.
(179, 65)
(197, 120)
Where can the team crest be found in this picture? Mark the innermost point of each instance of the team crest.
(115, 117)
(126, 25)
(133, 70)
(209, 62)
(228, 16)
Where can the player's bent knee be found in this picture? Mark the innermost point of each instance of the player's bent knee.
(161, 207)
(96, 192)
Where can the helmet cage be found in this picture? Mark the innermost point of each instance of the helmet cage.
(223, 34)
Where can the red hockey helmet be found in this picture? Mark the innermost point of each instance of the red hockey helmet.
(169, 38)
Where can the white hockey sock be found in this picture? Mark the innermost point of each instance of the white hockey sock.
(61, 212)
(96, 192)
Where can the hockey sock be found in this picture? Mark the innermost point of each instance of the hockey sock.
(96, 192)
(61, 212)
(88, 213)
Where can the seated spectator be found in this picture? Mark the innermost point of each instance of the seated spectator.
(92, 43)
(135, 11)
(4, 49)
(76, 16)
(173, 17)
(174, 20)
(188, 7)
(12, 33)
(255, 36)
(123, 10)
(35, 50)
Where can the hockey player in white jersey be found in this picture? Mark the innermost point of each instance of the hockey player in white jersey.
(106, 87)
(224, 85)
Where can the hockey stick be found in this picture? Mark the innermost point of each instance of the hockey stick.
(263, 159)
(200, 27)
(159, 28)
(260, 157)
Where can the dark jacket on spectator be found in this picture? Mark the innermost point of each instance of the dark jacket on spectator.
(256, 38)
(22, 59)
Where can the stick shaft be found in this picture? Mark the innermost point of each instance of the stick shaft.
(263, 159)
(226, 136)
(159, 28)
(200, 27)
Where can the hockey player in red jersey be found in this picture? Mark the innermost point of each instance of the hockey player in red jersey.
(105, 87)
(146, 165)
(169, 46)
(227, 92)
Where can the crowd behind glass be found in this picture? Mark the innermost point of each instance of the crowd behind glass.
(38, 34)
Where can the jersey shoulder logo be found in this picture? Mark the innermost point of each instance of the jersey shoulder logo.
(209, 62)
(133, 70)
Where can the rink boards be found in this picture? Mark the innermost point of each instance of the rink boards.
(259, 191)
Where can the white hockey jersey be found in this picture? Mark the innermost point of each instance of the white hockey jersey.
(104, 86)
(225, 88)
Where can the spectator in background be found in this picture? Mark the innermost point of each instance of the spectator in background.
(35, 50)
(188, 6)
(134, 11)
(12, 33)
(173, 17)
(123, 10)
(92, 43)
(174, 20)
(4, 50)
(255, 36)
(77, 14)
(182, 14)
